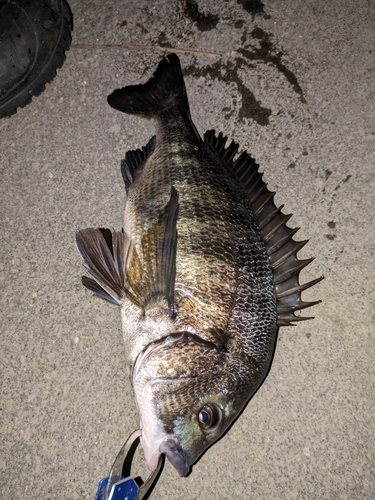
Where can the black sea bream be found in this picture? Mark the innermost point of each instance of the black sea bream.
(205, 271)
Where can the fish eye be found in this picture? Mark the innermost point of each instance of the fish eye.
(209, 416)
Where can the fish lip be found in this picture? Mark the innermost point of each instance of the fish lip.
(167, 340)
(152, 459)
(173, 451)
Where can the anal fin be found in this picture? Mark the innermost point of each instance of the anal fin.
(134, 160)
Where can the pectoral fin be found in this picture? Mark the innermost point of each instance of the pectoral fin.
(118, 272)
(97, 290)
(104, 253)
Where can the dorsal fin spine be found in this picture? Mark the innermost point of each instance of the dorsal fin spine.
(281, 241)
(254, 197)
(297, 245)
(284, 219)
(292, 271)
(241, 166)
(249, 175)
(299, 288)
(266, 199)
(270, 217)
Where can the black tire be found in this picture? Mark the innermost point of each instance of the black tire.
(34, 35)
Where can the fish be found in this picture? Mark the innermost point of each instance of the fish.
(205, 271)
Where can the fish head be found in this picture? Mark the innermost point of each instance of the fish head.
(188, 393)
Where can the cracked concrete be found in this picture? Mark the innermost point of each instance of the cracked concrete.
(295, 87)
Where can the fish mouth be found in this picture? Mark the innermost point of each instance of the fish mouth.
(173, 451)
(168, 446)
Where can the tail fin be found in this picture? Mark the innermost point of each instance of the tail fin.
(164, 88)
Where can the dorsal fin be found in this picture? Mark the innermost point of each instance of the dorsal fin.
(281, 247)
(135, 160)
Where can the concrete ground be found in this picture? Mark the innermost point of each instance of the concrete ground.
(295, 87)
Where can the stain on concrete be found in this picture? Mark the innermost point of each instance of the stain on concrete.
(342, 182)
(339, 322)
(267, 53)
(253, 7)
(334, 195)
(229, 72)
(239, 23)
(204, 22)
(263, 51)
(162, 40)
(228, 112)
(142, 28)
(328, 173)
(331, 224)
(331, 203)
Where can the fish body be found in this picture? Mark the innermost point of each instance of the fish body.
(205, 271)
